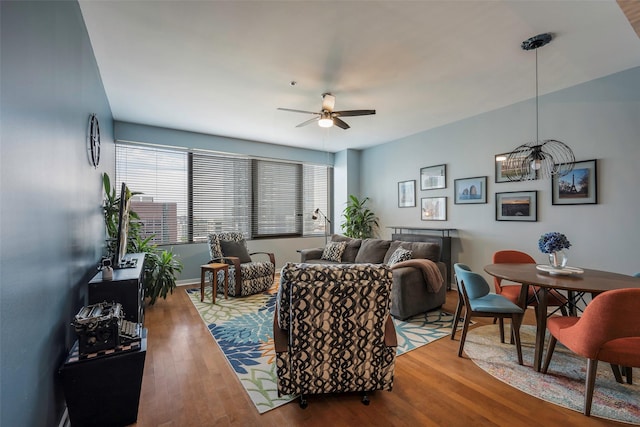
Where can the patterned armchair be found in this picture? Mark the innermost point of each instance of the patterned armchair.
(333, 331)
(253, 277)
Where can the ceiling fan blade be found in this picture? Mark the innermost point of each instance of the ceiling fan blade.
(340, 123)
(298, 111)
(328, 101)
(315, 119)
(348, 113)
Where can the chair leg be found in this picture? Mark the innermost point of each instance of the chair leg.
(456, 317)
(592, 367)
(628, 373)
(511, 341)
(516, 321)
(616, 372)
(550, 348)
(501, 323)
(465, 328)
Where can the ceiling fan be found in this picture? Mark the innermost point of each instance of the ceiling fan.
(327, 117)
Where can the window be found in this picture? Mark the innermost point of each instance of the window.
(160, 176)
(277, 208)
(221, 195)
(187, 195)
(316, 183)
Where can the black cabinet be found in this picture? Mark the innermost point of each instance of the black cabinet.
(103, 389)
(126, 288)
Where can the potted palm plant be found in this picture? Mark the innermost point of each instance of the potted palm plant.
(359, 220)
(160, 266)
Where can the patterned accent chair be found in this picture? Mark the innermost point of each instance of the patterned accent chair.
(254, 276)
(333, 331)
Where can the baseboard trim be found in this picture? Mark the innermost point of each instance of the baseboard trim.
(186, 282)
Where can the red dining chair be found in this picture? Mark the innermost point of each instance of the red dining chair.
(608, 330)
(512, 292)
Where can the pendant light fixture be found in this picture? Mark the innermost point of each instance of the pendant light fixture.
(538, 159)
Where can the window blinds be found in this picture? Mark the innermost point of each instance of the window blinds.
(187, 195)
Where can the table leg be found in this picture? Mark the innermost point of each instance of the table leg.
(541, 328)
(226, 282)
(214, 284)
(523, 301)
(571, 297)
(202, 273)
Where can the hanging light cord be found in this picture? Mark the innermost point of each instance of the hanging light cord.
(537, 108)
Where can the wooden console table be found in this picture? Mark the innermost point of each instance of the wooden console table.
(442, 237)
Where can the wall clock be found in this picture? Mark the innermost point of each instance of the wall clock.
(94, 140)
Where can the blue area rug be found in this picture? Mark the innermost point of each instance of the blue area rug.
(243, 329)
(564, 383)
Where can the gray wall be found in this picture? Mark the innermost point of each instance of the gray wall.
(598, 120)
(132, 132)
(50, 203)
(346, 182)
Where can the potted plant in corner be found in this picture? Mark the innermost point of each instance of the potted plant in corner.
(160, 266)
(359, 221)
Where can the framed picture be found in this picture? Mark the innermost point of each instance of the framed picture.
(504, 169)
(407, 194)
(433, 209)
(578, 187)
(517, 206)
(432, 177)
(470, 190)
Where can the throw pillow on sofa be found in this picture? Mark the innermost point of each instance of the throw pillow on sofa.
(333, 251)
(399, 255)
(352, 248)
(372, 251)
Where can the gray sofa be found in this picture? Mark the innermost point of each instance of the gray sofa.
(415, 286)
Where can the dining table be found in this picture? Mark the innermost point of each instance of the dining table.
(573, 281)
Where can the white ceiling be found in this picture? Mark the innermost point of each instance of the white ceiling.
(224, 67)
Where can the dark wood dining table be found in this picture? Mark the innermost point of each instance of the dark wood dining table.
(590, 281)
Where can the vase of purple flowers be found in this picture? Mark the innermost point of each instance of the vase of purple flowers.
(553, 244)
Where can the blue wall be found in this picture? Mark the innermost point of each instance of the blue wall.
(51, 226)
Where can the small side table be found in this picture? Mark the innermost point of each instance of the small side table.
(214, 268)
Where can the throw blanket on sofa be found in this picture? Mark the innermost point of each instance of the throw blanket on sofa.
(429, 270)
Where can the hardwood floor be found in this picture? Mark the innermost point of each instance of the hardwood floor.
(188, 382)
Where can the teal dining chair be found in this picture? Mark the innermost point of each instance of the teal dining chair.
(480, 302)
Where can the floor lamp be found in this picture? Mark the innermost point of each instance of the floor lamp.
(316, 214)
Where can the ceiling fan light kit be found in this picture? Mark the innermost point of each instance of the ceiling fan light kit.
(539, 159)
(326, 118)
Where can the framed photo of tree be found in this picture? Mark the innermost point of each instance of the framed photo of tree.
(433, 209)
(578, 187)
